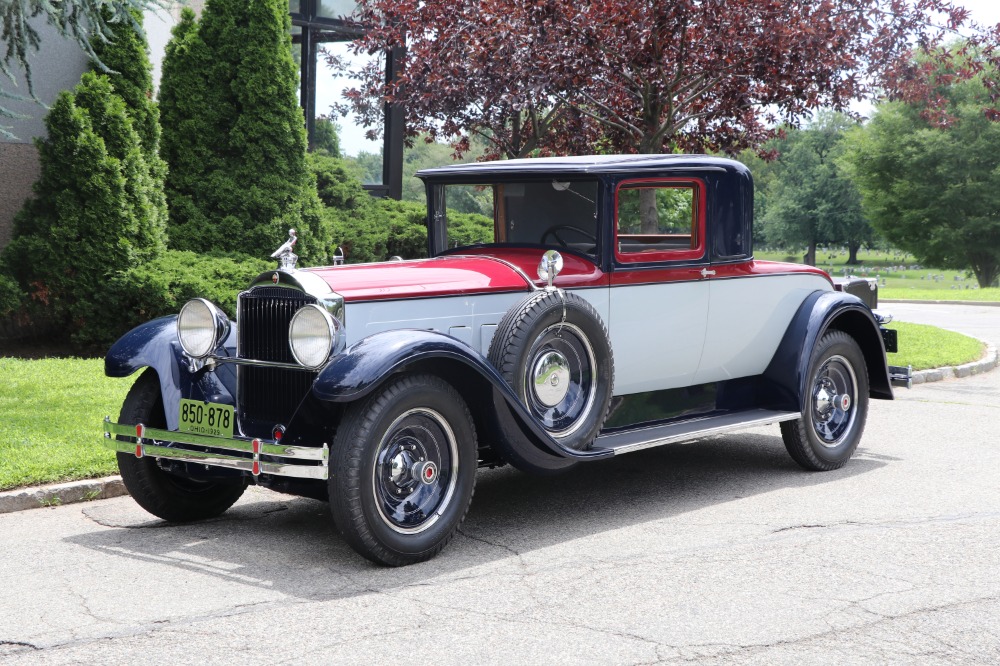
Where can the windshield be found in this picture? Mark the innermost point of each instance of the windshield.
(559, 213)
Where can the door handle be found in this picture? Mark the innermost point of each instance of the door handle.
(705, 272)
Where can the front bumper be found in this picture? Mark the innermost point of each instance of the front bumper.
(256, 456)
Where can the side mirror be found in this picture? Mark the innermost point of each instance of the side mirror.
(550, 266)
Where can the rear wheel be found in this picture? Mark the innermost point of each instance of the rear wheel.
(168, 496)
(836, 406)
(403, 470)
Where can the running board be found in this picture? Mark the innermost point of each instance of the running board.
(645, 438)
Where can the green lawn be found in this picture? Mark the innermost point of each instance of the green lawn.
(926, 347)
(50, 429)
(899, 276)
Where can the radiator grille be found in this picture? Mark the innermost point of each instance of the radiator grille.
(269, 395)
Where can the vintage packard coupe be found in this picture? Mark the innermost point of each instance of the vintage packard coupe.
(614, 305)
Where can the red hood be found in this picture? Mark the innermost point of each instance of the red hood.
(422, 278)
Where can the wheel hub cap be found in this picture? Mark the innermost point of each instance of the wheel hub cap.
(833, 394)
(551, 378)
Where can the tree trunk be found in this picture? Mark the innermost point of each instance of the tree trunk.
(810, 257)
(647, 211)
(987, 273)
(852, 248)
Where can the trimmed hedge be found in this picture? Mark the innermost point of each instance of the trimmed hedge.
(161, 286)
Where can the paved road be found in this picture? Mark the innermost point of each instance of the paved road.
(721, 552)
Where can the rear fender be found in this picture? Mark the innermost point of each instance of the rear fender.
(365, 365)
(155, 345)
(821, 311)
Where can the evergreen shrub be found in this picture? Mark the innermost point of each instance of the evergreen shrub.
(161, 286)
(11, 296)
(234, 135)
(94, 208)
(376, 229)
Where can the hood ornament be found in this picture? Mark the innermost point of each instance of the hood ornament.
(286, 258)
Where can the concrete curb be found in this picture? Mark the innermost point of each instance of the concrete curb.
(989, 361)
(111, 486)
(61, 493)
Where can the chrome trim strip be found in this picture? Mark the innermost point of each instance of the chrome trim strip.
(668, 434)
(260, 364)
(143, 446)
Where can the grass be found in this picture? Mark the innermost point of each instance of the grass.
(899, 276)
(50, 429)
(926, 347)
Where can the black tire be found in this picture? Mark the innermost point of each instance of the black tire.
(384, 443)
(836, 406)
(173, 498)
(570, 396)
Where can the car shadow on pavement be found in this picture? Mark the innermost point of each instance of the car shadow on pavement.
(289, 545)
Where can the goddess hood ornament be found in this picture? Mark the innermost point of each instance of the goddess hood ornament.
(286, 258)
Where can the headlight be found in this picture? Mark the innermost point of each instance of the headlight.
(312, 335)
(201, 327)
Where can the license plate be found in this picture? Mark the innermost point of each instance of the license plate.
(206, 418)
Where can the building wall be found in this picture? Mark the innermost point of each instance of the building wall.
(18, 170)
(55, 67)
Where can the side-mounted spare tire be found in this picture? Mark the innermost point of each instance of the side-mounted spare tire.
(553, 349)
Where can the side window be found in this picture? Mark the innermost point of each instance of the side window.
(659, 221)
(470, 215)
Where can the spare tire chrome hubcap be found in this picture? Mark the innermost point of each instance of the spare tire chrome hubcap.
(551, 378)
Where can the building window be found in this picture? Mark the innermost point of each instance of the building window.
(326, 24)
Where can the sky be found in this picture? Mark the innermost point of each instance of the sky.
(352, 136)
(983, 11)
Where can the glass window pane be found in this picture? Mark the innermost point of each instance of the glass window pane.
(656, 219)
(470, 214)
(336, 8)
(294, 6)
(331, 82)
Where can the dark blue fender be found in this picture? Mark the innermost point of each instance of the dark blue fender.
(822, 311)
(154, 345)
(363, 366)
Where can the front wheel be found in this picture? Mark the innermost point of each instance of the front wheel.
(168, 496)
(403, 470)
(836, 407)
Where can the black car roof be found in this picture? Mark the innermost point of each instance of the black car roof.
(585, 164)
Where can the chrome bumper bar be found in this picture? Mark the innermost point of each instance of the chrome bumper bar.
(144, 441)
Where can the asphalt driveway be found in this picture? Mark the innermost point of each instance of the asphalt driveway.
(721, 551)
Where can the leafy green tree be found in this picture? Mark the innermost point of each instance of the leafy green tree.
(327, 137)
(426, 154)
(811, 199)
(369, 167)
(94, 210)
(931, 183)
(233, 134)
